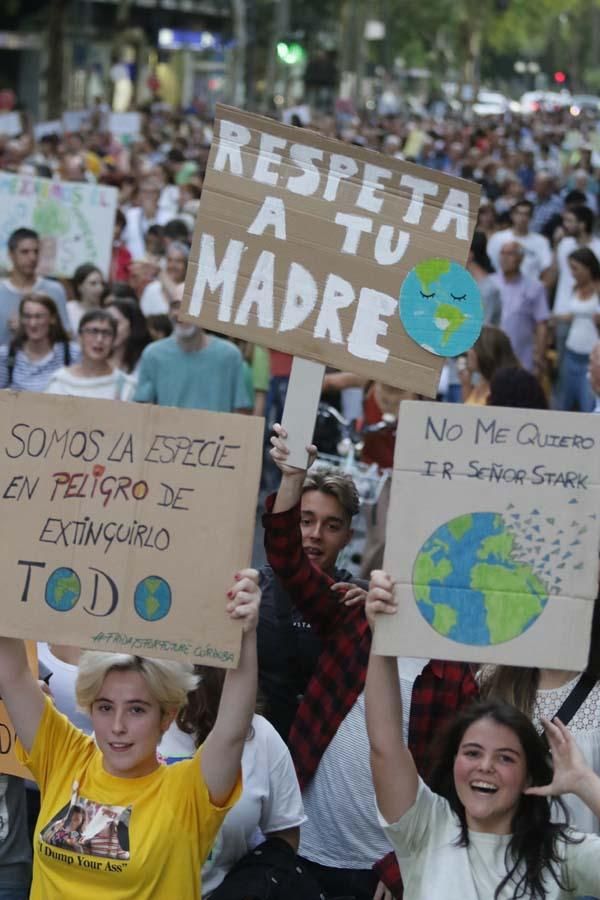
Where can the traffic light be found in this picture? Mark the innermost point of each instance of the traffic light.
(291, 52)
(560, 77)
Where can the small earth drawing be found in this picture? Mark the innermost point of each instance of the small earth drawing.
(469, 585)
(152, 598)
(63, 590)
(440, 307)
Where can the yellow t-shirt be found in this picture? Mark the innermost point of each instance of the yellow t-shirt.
(98, 835)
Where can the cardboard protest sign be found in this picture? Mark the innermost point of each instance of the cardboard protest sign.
(9, 764)
(75, 119)
(42, 129)
(10, 124)
(493, 535)
(126, 126)
(122, 525)
(303, 243)
(74, 221)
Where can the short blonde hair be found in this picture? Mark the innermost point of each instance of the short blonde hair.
(169, 682)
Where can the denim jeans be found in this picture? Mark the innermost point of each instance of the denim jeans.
(11, 891)
(574, 386)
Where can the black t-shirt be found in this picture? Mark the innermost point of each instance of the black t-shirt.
(288, 650)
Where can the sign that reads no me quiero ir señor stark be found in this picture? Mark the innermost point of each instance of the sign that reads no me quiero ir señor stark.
(493, 535)
(122, 525)
(303, 243)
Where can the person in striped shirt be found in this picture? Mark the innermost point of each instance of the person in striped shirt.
(40, 347)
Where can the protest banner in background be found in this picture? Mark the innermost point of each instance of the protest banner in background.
(9, 764)
(75, 119)
(10, 124)
(75, 221)
(333, 253)
(122, 525)
(126, 126)
(43, 129)
(493, 535)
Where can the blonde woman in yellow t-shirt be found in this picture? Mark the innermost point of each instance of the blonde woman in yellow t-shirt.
(143, 829)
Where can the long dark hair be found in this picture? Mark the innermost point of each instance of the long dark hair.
(586, 257)
(199, 714)
(533, 851)
(493, 351)
(139, 336)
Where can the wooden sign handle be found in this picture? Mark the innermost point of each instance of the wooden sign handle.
(300, 410)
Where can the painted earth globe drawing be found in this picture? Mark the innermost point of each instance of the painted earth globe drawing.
(63, 589)
(152, 598)
(440, 307)
(472, 585)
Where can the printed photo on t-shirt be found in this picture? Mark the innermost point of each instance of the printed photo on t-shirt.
(89, 828)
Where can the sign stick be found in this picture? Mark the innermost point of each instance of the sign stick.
(300, 410)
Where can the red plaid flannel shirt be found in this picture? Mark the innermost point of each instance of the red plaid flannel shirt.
(440, 690)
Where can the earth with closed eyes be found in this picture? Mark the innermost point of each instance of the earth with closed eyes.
(440, 307)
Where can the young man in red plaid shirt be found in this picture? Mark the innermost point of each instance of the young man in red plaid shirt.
(341, 840)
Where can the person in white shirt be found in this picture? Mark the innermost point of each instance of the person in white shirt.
(485, 830)
(537, 259)
(594, 374)
(140, 217)
(270, 805)
(94, 376)
(582, 316)
(168, 285)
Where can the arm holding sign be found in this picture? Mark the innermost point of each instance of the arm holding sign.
(394, 771)
(20, 690)
(222, 752)
(320, 599)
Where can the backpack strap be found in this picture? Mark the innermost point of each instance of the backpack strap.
(11, 360)
(576, 698)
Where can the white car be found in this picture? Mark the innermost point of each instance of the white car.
(544, 101)
(492, 103)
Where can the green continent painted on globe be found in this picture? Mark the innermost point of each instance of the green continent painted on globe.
(440, 307)
(63, 590)
(469, 586)
(431, 270)
(152, 598)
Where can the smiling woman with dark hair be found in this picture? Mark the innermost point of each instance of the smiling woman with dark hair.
(488, 831)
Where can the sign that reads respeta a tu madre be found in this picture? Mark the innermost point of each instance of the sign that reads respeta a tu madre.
(303, 243)
(493, 535)
(122, 525)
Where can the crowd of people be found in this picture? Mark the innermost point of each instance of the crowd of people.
(352, 776)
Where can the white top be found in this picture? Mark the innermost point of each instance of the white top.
(116, 386)
(342, 829)
(585, 726)
(566, 283)
(270, 800)
(153, 301)
(438, 869)
(538, 254)
(62, 685)
(583, 333)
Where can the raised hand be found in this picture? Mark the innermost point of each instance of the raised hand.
(279, 452)
(349, 594)
(380, 598)
(244, 599)
(570, 767)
